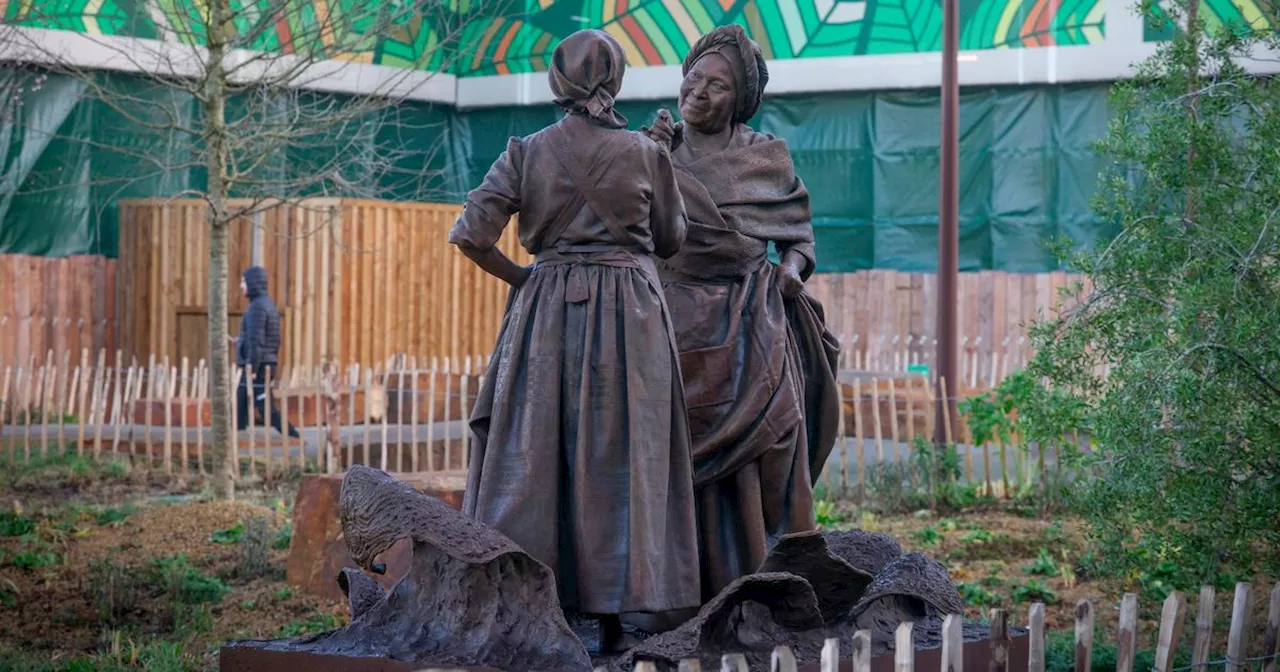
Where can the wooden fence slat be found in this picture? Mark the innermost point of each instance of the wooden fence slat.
(861, 651)
(999, 641)
(953, 643)
(100, 388)
(734, 662)
(6, 413)
(645, 666)
(63, 402)
(184, 407)
(431, 416)
(1127, 634)
(875, 422)
(1204, 626)
(830, 660)
(782, 660)
(690, 665)
(1035, 645)
(1084, 636)
(857, 440)
(904, 648)
(1241, 620)
(202, 394)
(368, 414)
(82, 393)
(149, 394)
(448, 397)
(1271, 641)
(1171, 618)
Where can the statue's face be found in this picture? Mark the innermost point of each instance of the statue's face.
(708, 95)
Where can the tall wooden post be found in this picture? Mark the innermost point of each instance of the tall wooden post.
(948, 220)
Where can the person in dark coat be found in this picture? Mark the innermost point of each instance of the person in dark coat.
(581, 453)
(258, 347)
(759, 363)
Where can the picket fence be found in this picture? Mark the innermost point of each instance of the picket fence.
(410, 415)
(1243, 653)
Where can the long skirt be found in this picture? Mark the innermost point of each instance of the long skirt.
(760, 382)
(581, 452)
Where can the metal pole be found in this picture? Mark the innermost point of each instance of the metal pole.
(948, 222)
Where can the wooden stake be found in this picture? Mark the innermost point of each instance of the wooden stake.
(893, 420)
(1084, 636)
(1271, 645)
(904, 649)
(368, 414)
(953, 643)
(1204, 627)
(149, 394)
(1241, 620)
(448, 418)
(1127, 637)
(6, 413)
(100, 387)
(252, 388)
(82, 394)
(861, 651)
(184, 401)
(830, 661)
(690, 665)
(999, 641)
(783, 660)
(734, 662)
(413, 418)
(875, 420)
(431, 416)
(1035, 645)
(200, 397)
(1171, 618)
(857, 439)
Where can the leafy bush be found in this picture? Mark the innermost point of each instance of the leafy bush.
(1175, 354)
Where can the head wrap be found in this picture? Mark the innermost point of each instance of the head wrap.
(586, 73)
(745, 58)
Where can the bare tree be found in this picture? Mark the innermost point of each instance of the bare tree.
(264, 127)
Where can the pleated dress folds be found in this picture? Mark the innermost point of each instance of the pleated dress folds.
(582, 452)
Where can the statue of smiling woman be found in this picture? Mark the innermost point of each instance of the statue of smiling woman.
(758, 363)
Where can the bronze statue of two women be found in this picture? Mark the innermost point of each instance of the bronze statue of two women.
(662, 396)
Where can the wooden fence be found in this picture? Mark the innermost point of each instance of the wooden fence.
(408, 415)
(355, 281)
(60, 304)
(1243, 651)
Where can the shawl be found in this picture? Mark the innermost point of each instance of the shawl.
(738, 201)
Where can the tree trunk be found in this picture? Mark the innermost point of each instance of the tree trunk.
(214, 102)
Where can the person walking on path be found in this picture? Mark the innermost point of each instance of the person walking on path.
(258, 348)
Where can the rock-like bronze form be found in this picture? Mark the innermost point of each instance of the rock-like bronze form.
(471, 597)
(838, 584)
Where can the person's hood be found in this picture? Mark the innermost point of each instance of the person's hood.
(255, 280)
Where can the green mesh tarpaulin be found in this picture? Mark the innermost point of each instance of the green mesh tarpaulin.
(870, 161)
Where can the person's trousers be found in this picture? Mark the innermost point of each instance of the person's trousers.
(260, 374)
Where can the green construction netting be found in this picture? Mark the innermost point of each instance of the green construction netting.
(870, 160)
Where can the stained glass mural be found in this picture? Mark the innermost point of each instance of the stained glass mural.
(494, 37)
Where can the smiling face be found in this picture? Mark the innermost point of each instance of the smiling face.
(708, 95)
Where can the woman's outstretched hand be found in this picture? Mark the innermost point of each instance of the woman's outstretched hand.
(665, 130)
